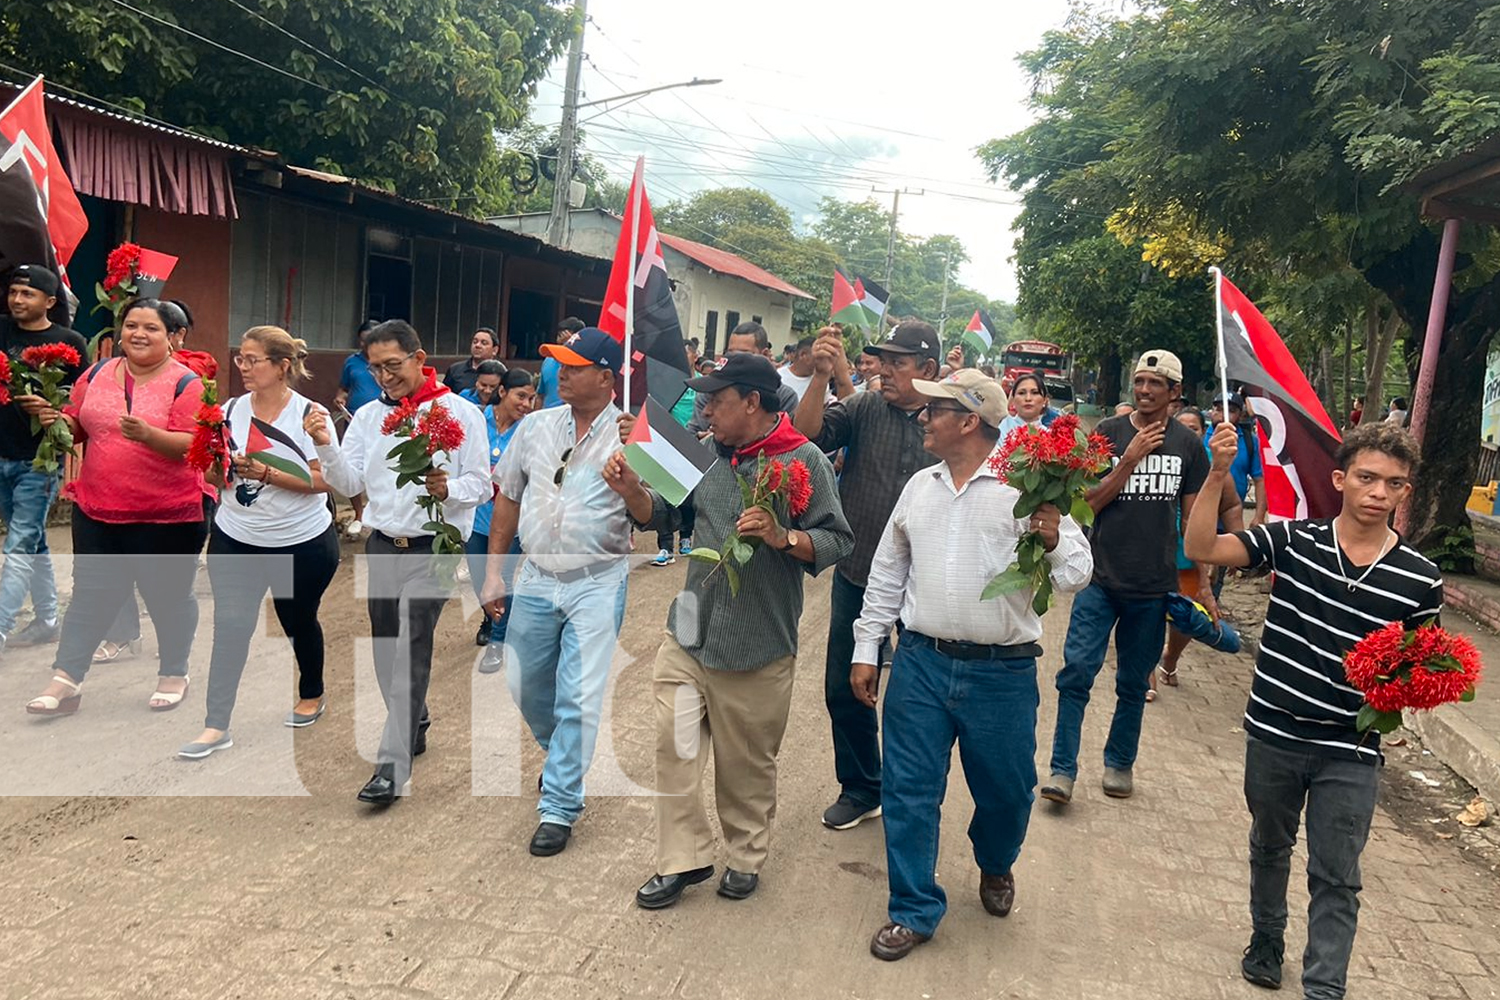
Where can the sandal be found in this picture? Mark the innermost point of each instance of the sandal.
(165, 701)
(47, 704)
(1168, 677)
(108, 651)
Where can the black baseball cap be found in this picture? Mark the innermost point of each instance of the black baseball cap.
(910, 338)
(743, 371)
(37, 276)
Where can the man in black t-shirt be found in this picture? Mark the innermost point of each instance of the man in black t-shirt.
(1336, 581)
(1160, 467)
(25, 494)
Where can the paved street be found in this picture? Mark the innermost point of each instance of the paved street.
(280, 894)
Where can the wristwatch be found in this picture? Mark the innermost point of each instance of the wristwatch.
(791, 541)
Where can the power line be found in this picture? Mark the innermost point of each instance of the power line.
(304, 42)
(220, 45)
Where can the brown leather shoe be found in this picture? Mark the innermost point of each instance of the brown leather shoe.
(997, 893)
(895, 941)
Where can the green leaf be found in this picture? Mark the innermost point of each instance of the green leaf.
(1025, 556)
(743, 551)
(1026, 506)
(734, 579)
(1042, 599)
(1082, 513)
(705, 554)
(1445, 662)
(1468, 694)
(1382, 722)
(1009, 582)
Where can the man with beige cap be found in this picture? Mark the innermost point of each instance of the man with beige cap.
(1161, 466)
(965, 669)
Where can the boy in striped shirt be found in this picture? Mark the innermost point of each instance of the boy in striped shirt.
(1337, 580)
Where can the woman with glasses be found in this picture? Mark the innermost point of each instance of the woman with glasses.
(1028, 397)
(517, 397)
(272, 505)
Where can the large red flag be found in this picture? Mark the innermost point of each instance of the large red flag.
(36, 186)
(1298, 440)
(658, 355)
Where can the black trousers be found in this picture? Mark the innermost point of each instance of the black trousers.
(240, 574)
(109, 560)
(405, 601)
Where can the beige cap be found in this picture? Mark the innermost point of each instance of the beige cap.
(1163, 363)
(974, 389)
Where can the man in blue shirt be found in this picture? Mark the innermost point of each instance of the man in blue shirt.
(546, 383)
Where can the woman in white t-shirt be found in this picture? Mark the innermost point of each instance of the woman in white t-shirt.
(273, 505)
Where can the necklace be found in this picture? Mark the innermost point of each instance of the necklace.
(1338, 553)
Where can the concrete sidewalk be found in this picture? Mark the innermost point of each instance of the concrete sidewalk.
(1466, 737)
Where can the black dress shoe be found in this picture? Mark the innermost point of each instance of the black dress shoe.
(997, 893)
(661, 891)
(482, 637)
(737, 885)
(420, 746)
(379, 790)
(550, 839)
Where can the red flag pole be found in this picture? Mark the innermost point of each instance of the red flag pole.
(636, 185)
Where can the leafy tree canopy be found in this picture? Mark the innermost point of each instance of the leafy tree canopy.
(403, 94)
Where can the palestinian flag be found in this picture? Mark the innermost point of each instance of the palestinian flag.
(667, 455)
(846, 305)
(266, 443)
(980, 333)
(872, 298)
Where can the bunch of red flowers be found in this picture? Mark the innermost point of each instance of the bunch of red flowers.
(120, 265)
(783, 490)
(1398, 668)
(1056, 465)
(423, 434)
(39, 371)
(209, 448)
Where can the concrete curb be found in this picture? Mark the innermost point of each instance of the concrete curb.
(1462, 744)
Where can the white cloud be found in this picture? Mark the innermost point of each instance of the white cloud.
(820, 99)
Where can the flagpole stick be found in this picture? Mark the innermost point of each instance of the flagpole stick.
(1219, 339)
(635, 238)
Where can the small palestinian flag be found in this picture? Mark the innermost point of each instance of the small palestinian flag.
(667, 455)
(873, 299)
(269, 445)
(980, 333)
(846, 305)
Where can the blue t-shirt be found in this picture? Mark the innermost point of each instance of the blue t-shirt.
(546, 383)
(498, 442)
(357, 381)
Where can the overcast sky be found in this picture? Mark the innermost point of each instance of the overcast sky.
(819, 99)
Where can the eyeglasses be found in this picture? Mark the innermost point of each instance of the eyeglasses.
(392, 367)
(562, 469)
(932, 408)
(247, 360)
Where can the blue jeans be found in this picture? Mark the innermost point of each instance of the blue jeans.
(25, 498)
(1339, 796)
(560, 644)
(856, 729)
(476, 553)
(989, 707)
(1140, 628)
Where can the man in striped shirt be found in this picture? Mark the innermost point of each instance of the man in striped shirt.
(1337, 580)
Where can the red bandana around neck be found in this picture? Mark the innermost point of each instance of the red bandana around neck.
(782, 439)
(431, 389)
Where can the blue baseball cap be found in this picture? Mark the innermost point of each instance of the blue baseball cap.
(589, 346)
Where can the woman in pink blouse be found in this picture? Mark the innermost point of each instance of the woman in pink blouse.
(139, 519)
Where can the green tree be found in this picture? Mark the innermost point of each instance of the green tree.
(402, 94)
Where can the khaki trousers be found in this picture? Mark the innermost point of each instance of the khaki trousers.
(742, 715)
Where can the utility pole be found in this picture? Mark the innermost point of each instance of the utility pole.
(567, 136)
(890, 244)
(943, 309)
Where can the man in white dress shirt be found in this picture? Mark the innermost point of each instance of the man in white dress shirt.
(405, 595)
(965, 669)
(569, 598)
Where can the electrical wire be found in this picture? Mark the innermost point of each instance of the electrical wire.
(306, 44)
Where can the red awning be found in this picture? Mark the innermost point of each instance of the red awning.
(117, 160)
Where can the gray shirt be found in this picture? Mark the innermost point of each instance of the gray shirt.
(748, 631)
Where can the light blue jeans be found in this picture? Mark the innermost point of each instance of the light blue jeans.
(558, 651)
(25, 498)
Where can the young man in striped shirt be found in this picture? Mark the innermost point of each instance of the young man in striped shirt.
(1337, 580)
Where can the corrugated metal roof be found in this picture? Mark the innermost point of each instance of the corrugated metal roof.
(727, 263)
(137, 120)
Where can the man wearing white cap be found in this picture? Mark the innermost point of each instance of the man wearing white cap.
(965, 669)
(1160, 468)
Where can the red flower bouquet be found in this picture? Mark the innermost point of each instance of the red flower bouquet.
(117, 288)
(783, 490)
(209, 448)
(39, 371)
(1422, 668)
(423, 435)
(1056, 465)
(5, 376)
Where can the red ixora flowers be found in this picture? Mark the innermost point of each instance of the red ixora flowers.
(61, 355)
(800, 492)
(5, 378)
(442, 429)
(120, 264)
(404, 413)
(1398, 668)
(422, 435)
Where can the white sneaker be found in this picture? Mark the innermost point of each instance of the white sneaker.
(355, 529)
(664, 558)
